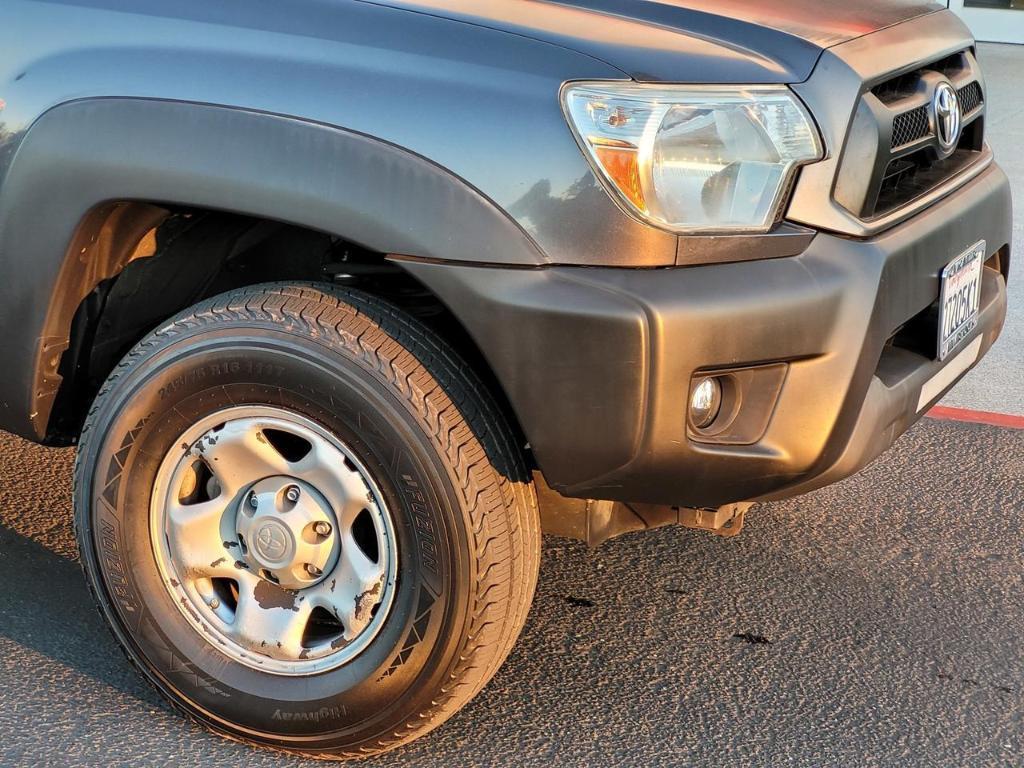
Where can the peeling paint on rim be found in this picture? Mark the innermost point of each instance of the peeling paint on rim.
(208, 616)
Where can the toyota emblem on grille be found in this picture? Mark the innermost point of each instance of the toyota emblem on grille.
(946, 116)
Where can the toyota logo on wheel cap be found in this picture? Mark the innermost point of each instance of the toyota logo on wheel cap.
(946, 117)
(271, 543)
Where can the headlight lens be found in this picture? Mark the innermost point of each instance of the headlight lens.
(691, 158)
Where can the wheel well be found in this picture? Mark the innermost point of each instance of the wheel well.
(182, 255)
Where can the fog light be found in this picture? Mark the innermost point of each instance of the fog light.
(705, 402)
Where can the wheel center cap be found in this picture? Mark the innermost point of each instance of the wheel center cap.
(273, 544)
(287, 532)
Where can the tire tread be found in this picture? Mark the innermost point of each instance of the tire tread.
(466, 426)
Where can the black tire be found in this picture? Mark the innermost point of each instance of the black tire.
(436, 444)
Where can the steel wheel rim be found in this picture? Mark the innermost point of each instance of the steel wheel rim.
(331, 595)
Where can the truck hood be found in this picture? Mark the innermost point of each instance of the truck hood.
(728, 41)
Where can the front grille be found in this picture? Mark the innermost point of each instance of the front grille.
(892, 156)
(970, 97)
(903, 86)
(912, 176)
(913, 125)
(908, 127)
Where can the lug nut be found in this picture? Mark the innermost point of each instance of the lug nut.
(322, 528)
(215, 604)
(312, 570)
(292, 494)
(253, 501)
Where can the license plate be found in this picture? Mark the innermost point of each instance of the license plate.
(960, 298)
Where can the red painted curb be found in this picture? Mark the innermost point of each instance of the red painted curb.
(976, 417)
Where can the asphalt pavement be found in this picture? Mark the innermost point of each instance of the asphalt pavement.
(877, 622)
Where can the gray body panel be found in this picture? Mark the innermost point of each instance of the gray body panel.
(727, 41)
(441, 99)
(476, 104)
(433, 130)
(466, 97)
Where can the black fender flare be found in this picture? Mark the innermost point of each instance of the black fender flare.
(84, 154)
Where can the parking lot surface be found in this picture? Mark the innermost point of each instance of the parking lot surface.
(876, 622)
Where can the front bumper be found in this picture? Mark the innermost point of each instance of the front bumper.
(597, 362)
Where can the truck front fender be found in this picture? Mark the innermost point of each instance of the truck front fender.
(85, 154)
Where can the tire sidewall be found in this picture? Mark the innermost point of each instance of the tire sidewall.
(138, 420)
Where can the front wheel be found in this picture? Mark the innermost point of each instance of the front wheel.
(305, 520)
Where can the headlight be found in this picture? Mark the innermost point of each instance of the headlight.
(692, 158)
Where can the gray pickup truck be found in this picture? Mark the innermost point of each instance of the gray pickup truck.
(345, 301)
